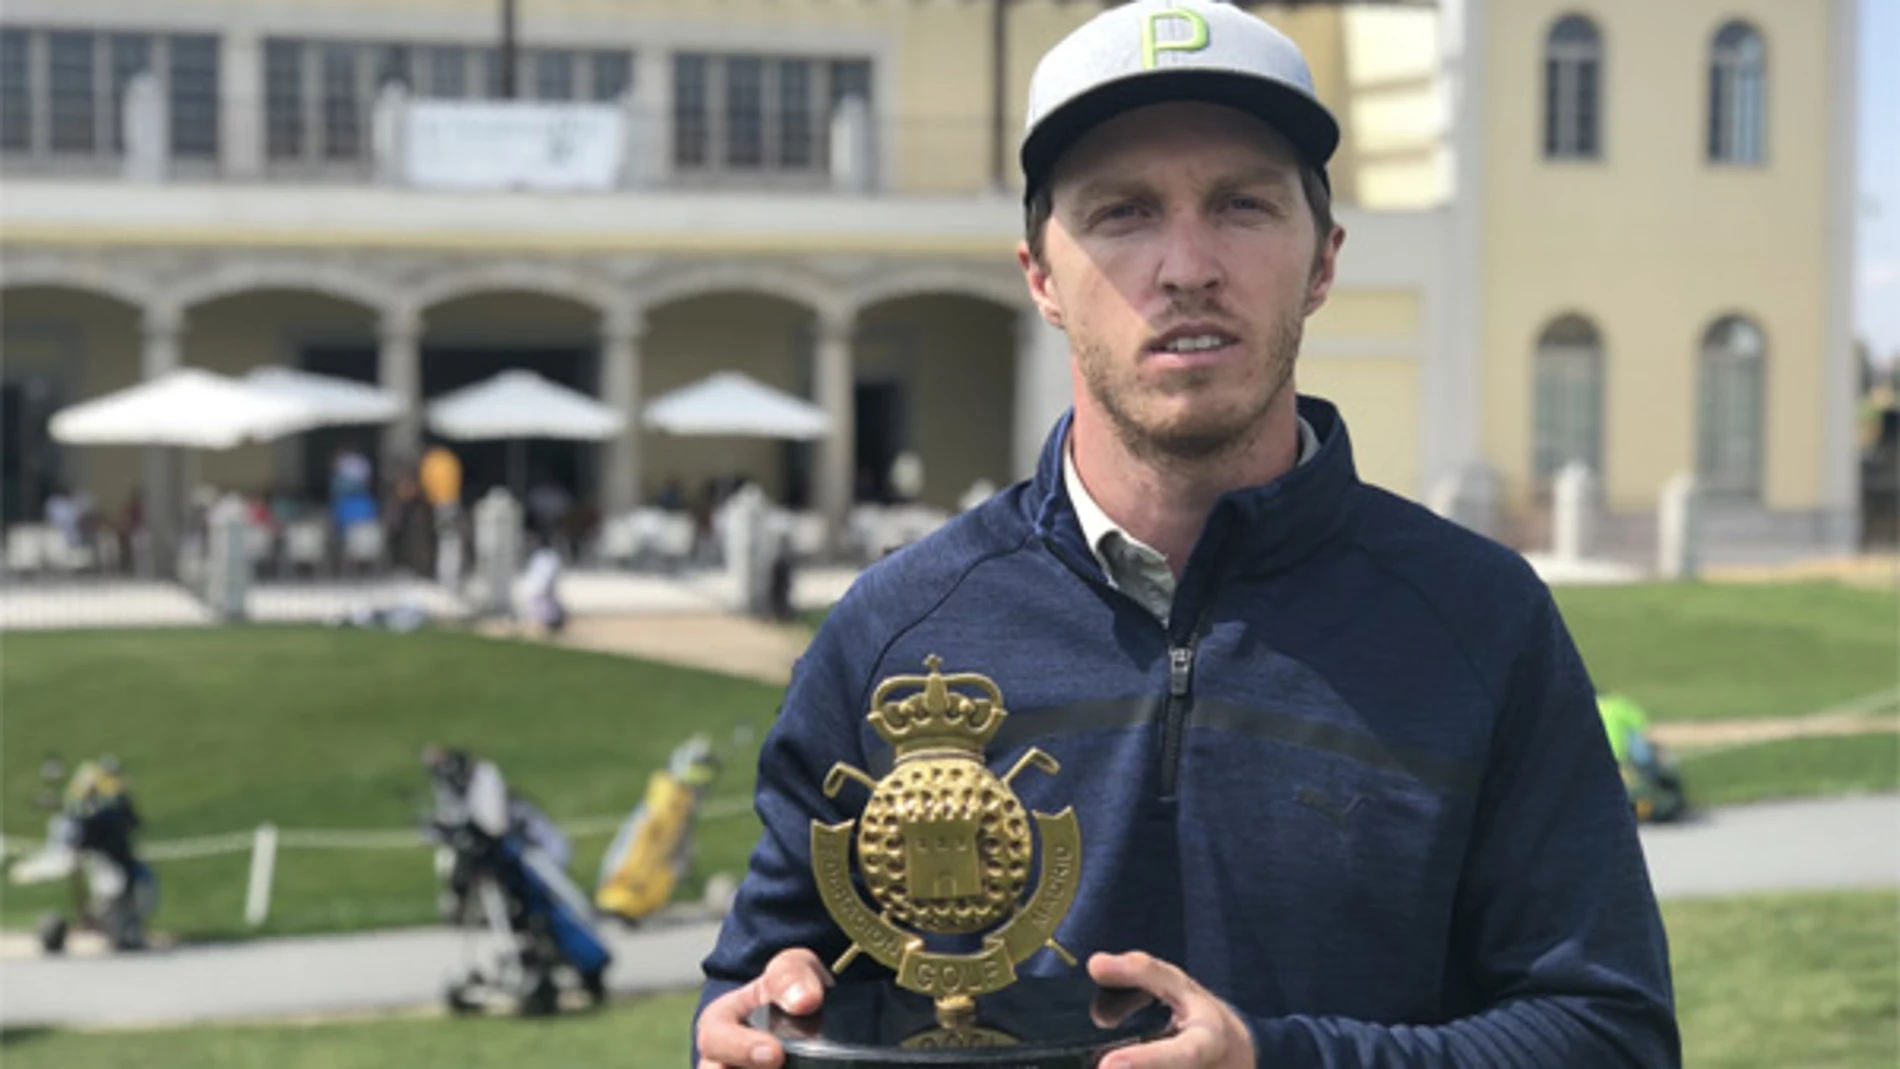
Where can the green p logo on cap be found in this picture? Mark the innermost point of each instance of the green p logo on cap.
(1151, 48)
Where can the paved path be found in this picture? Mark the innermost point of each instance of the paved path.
(285, 978)
(1831, 843)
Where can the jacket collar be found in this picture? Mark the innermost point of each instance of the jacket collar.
(1254, 529)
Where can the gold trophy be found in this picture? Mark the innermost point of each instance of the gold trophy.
(945, 847)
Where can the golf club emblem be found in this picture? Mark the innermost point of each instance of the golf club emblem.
(945, 846)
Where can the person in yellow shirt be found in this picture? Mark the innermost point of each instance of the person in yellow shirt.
(441, 477)
(440, 473)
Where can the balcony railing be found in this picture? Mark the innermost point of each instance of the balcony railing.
(432, 144)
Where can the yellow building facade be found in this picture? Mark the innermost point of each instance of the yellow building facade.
(814, 193)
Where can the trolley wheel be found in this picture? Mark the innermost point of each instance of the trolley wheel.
(53, 929)
(543, 1000)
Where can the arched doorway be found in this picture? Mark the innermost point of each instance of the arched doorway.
(236, 333)
(936, 376)
(63, 345)
(475, 336)
(768, 338)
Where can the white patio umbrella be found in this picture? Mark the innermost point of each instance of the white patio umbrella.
(518, 405)
(187, 407)
(729, 403)
(335, 401)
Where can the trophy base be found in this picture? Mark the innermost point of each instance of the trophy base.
(1053, 1023)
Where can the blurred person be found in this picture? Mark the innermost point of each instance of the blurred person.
(410, 527)
(672, 496)
(540, 589)
(66, 513)
(441, 476)
(548, 505)
(351, 499)
(1344, 797)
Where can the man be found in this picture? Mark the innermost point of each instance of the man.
(1345, 800)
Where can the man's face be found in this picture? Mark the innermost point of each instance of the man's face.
(1181, 259)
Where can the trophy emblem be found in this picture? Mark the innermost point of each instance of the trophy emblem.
(945, 848)
(945, 845)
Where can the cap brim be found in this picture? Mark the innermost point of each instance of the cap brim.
(1299, 118)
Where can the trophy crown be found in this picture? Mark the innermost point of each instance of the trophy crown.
(937, 716)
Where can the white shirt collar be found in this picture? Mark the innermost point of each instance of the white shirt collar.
(1096, 524)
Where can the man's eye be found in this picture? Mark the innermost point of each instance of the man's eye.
(1249, 204)
(1118, 212)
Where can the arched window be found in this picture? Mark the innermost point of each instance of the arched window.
(1573, 65)
(1738, 93)
(1729, 404)
(1567, 405)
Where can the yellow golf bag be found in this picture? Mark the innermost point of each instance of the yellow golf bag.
(654, 848)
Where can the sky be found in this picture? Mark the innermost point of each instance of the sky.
(1877, 244)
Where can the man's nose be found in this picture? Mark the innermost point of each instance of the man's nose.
(1190, 264)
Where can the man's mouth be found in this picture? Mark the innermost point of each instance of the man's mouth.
(1192, 339)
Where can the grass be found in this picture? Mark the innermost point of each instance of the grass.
(317, 728)
(1795, 980)
(1761, 983)
(650, 1032)
(1739, 650)
(1794, 768)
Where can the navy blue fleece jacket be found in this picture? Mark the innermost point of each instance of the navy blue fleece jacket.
(1358, 787)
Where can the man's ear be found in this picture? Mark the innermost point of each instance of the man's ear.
(1041, 289)
(1325, 263)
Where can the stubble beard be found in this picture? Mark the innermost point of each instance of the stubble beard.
(1226, 435)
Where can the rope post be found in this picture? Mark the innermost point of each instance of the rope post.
(263, 866)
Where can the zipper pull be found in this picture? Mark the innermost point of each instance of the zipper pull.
(1180, 666)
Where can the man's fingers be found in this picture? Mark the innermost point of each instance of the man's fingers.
(1196, 1046)
(726, 1040)
(1113, 1005)
(796, 980)
(1147, 972)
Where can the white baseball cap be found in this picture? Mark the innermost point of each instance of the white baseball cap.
(1152, 51)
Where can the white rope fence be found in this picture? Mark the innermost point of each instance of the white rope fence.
(267, 839)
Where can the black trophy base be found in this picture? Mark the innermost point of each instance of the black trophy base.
(1054, 1023)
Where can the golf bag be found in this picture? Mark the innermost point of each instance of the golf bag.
(1650, 776)
(89, 842)
(654, 847)
(538, 925)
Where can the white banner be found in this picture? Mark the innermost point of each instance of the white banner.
(456, 144)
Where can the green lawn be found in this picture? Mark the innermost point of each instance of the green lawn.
(1849, 764)
(320, 728)
(1702, 651)
(638, 1034)
(1761, 983)
(1797, 980)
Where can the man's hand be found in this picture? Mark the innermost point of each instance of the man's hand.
(1208, 1033)
(794, 981)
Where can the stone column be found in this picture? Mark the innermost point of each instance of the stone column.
(240, 103)
(620, 331)
(161, 331)
(148, 142)
(1044, 387)
(833, 380)
(399, 370)
(653, 103)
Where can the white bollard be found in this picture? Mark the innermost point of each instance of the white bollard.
(1677, 534)
(263, 867)
(1573, 513)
